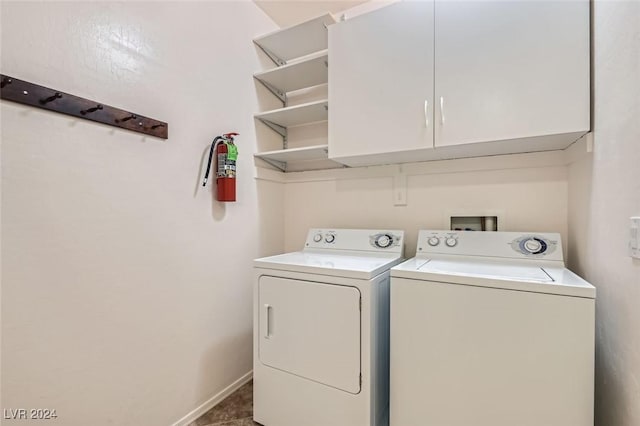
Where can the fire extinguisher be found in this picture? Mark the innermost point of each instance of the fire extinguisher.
(226, 155)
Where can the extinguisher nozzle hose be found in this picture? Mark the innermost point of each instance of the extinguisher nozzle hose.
(211, 150)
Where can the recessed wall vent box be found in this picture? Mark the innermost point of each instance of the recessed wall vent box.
(474, 223)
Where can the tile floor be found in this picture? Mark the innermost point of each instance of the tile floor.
(235, 410)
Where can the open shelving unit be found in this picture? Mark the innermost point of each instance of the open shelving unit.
(300, 53)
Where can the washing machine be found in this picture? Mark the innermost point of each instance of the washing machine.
(321, 330)
(490, 329)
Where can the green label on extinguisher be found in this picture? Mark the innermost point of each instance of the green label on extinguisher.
(232, 151)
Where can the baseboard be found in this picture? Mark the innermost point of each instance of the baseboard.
(214, 400)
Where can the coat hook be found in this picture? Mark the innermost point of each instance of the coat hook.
(94, 109)
(131, 117)
(57, 95)
(55, 100)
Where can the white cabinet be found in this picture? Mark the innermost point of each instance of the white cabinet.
(497, 77)
(510, 70)
(381, 82)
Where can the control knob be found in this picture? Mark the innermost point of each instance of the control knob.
(433, 241)
(329, 238)
(451, 242)
(534, 246)
(317, 238)
(383, 241)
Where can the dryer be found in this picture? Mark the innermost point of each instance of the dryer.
(490, 329)
(321, 330)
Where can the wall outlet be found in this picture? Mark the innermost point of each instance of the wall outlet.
(634, 238)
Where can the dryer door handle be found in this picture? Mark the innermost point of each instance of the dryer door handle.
(267, 327)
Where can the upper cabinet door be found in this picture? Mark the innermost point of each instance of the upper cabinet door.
(381, 83)
(510, 69)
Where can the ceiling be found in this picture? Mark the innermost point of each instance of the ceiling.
(286, 13)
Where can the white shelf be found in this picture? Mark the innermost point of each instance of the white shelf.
(309, 72)
(299, 159)
(299, 115)
(296, 41)
(307, 153)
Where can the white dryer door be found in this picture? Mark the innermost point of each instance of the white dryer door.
(311, 330)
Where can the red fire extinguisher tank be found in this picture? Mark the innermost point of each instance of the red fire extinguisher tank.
(224, 154)
(226, 174)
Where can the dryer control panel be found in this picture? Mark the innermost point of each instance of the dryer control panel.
(534, 245)
(513, 245)
(388, 241)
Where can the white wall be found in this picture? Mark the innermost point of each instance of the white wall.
(126, 293)
(528, 192)
(604, 192)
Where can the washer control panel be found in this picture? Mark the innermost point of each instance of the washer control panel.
(356, 239)
(491, 244)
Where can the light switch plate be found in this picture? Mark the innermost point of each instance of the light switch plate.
(634, 238)
(589, 140)
(400, 189)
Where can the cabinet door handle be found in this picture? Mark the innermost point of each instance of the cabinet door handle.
(441, 110)
(267, 328)
(426, 114)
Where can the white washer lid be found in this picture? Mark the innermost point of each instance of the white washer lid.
(496, 274)
(489, 270)
(348, 264)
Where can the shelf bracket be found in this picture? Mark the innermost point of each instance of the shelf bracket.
(281, 130)
(275, 58)
(279, 94)
(280, 165)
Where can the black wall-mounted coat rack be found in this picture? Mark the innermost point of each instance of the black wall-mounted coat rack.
(24, 92)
